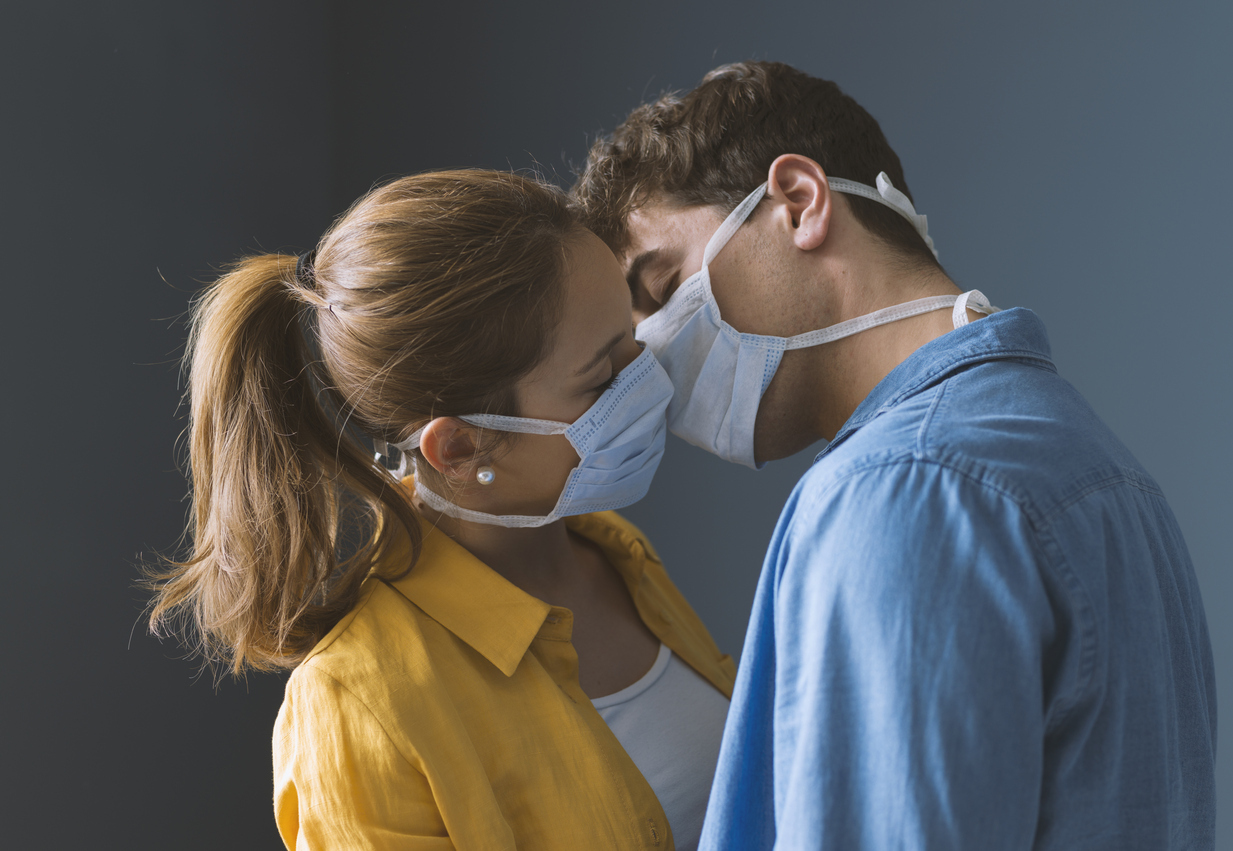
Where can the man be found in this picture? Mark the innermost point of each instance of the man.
(977, 625)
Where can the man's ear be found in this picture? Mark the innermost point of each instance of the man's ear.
(799, 185)
(449, 445)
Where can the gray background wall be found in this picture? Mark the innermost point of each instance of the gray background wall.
(1072, 158)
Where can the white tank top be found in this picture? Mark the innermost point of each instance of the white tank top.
(670, 723)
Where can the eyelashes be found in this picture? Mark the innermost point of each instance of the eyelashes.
(602, 388)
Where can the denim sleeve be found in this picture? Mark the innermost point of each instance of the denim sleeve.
(913, 629)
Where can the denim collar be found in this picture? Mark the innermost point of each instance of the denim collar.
(1014, 334)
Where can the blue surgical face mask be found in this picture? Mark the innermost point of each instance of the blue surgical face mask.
(619, 441)
(720, 373)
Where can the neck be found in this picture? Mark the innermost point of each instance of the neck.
(537, 560)
(817, 389)
(855, 365)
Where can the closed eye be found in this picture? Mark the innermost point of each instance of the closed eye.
(662, 291)
(653, 276)
(607, 385)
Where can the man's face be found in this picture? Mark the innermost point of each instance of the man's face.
(756, 280)
(665, 248)
(748, 280)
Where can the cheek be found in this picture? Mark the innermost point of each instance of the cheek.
(557, 457)
(751, 297)
(731, 287)
(535, 470)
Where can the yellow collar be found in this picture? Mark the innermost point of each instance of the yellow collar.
(488, 612)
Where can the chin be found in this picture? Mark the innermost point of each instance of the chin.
(778, 447)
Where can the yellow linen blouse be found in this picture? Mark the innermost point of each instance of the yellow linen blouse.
(444, 711)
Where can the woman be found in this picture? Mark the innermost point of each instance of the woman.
(470, 669)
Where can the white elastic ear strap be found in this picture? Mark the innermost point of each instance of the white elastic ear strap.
(735, 219)
(412, 442)
(382, 450)
(872, 320)
(407, 461)
(511, 521)
(887, 194)
(521, 425)
(493, 421)
(974, 299)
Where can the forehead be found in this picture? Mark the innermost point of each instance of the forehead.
(596, 302)
(660, 225)
(592, 274)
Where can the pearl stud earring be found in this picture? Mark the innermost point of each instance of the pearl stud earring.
(485, 475)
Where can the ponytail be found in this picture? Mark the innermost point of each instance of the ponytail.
(432, 296)
(278, 489)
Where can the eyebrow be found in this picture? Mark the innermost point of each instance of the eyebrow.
(634, 275)
(602, 353)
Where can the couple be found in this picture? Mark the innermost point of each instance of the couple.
(977, 625)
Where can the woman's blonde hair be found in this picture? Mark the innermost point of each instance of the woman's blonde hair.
(430, 297)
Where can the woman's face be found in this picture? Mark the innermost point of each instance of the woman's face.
(594, 342)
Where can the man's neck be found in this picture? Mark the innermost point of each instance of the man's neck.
(817, 389)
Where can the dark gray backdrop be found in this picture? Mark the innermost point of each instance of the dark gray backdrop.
(1072, 157)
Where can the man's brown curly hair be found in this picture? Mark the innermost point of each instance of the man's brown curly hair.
(715, 144)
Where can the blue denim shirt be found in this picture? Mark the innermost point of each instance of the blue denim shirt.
(977, 627)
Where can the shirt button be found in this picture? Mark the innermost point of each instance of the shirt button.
(653, 830)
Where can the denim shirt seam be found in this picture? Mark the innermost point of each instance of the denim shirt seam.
(1054, 561)
(1044, 543)
(922, 434)
(1028, 357)
(1121, 475)
(1088, 652)
(1085, 615)
(943, 371)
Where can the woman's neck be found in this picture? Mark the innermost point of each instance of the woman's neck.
(537, 560)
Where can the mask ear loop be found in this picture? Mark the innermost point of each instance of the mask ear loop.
(731, 224)
(888, 195)
(885, 194)
(406, 461)
(497, 422)
(975, 300)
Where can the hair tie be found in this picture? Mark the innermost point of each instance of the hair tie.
(304, 267)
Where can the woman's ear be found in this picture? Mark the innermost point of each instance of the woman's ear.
(449, 445)
(799, 184)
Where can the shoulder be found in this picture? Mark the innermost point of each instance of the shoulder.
(902, 567)
(1027, 431)
(372, 664)
(1007, 427)
(892, 496)
(353, 650)
(891, 531)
